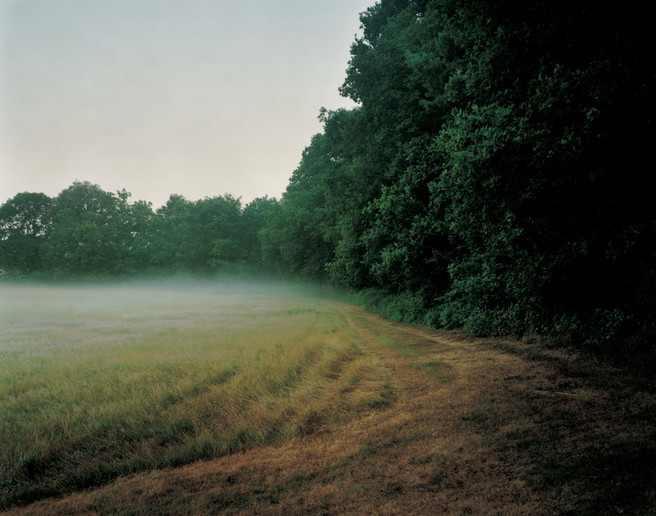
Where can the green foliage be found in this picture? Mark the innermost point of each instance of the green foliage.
(553, 240)
(253, 218)
(88, 232)
(198, 236)
(405, 306)
(506, 149)
(24, 222)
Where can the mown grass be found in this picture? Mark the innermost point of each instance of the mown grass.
(95, 384)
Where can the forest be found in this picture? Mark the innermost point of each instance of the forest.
(496, 177)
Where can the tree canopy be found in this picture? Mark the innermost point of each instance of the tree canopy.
(496, 175)
(86, 230)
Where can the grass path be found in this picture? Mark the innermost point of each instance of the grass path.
(461, 426)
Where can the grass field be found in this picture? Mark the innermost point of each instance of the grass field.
(101, 382)
(203, 398)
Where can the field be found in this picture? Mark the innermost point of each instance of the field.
(192, 398)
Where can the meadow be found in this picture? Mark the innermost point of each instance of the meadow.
(97, 382)
(206, 398)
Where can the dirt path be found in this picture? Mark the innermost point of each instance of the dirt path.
(465, 426)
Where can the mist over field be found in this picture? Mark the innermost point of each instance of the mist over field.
(100, 380)
(137, 293)
(103, 312)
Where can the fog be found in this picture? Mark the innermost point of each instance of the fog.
(86, 298)
(38, 318)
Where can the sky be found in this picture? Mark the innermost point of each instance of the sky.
(192, 97)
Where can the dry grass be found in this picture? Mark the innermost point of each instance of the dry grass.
(413, 421)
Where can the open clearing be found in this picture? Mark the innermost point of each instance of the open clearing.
(198, 400)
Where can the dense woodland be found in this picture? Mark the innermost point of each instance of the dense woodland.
(496, 176)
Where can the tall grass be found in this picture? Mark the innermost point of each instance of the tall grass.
(89, 391)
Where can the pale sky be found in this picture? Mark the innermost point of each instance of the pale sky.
(192, 97)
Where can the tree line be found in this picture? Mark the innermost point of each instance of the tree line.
(496, 176)
(88, 231)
